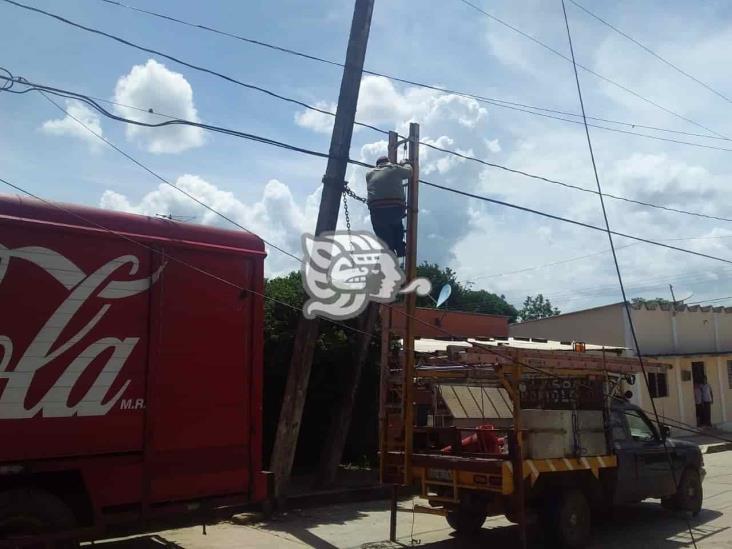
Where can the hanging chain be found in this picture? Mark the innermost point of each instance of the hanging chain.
(345, 211)
(347, 190)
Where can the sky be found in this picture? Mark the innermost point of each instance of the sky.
(444, 43)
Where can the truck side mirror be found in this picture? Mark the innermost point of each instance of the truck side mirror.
(665, 432)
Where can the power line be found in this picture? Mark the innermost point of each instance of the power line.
(91, 101)
(162, 179)
(170, 257)
(633, 332)
(499, 103)
(430, 184)
(521, 107)
(568, 220)
(653, 53)
(199, 68)
(711, 300)
(586, 69)
(570, 185)
(226, 217)
(585, 256)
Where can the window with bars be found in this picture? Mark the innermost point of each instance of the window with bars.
(658, 384)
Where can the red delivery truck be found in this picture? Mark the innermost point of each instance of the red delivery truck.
(130, 369)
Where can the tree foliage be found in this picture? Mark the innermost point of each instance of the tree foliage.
(536, 307)
(335, 350)
(462, 298)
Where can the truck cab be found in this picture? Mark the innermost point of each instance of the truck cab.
(645, 454)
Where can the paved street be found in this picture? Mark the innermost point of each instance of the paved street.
(365, 525)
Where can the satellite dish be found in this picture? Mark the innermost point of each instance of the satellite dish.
(684, 296)
(444, 295)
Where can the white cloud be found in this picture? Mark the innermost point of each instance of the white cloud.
(70, 127)
(380, 103)
(493, 145)
(317, 121)
(275, 216)
(153, 86)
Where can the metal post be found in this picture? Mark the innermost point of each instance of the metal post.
(519, 489)
(392, 154)
(411, 299)
(288, 427)
(393, 514)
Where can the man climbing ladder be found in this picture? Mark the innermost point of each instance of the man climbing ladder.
(387, 201)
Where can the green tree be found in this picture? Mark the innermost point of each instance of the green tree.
(335, 349)
(536, 307)
(462, 298)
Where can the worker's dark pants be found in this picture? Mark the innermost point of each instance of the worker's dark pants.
(707, 414)
(387, 222)
(699, 414)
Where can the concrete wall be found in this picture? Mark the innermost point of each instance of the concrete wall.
(688, 330)
(603, 326)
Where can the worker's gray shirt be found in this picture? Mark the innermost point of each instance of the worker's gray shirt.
(385, 184)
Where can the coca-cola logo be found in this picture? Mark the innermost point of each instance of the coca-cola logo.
(47, 345)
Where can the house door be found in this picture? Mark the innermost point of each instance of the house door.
(698, 373)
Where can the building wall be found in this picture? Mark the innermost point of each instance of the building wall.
(602, 326)
(674, 334)
(654, 329)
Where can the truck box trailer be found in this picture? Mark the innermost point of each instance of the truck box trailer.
(130, 368)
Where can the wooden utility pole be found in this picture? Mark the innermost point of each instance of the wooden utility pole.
(288, 427)
(340, 424)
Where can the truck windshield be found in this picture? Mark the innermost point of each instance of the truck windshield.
(640, 429)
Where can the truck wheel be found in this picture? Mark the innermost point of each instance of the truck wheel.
(689, 495)
(570, 519)
(27, 512)
(466, 522)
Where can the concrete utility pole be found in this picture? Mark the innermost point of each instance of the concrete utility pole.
(288, 427)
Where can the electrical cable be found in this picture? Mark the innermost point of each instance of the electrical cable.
(521, 107)
(568, 220)
(626, 304)
(571, 186)
(653, 53)
(435, 185)
(165, 181)
(710, 300)
(586, 69)
(199, 68)
(167, 256)
(363, 164)
(586, 256)
(302, 103)
(92, 102)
